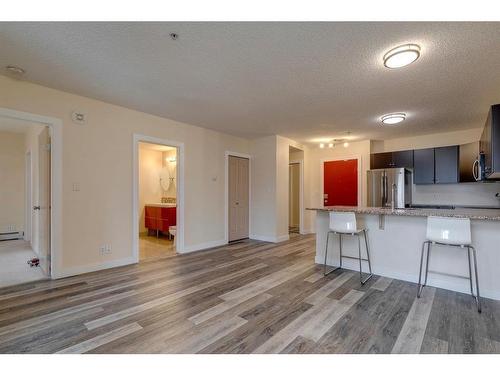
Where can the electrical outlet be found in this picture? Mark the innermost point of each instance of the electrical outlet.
(105, 249)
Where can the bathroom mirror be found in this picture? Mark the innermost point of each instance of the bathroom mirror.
(165, 178)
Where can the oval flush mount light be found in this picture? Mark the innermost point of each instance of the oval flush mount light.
(393, 118)
(401, 56)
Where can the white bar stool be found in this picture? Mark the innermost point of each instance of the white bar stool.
(450, 232)
(344, 223)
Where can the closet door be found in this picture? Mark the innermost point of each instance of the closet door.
(238, 181)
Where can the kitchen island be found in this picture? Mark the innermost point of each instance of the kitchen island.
(395, 239)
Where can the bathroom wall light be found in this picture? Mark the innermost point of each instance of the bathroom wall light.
(321, 145)
(330, 145)
(401, 56)
(393, 118)
(346, 144)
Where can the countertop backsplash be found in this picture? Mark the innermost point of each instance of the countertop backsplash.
(464, 194)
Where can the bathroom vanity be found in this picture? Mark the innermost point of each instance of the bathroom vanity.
(159, 217)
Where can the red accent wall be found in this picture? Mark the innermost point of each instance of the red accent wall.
(340, 183)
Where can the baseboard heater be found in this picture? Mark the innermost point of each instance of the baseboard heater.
(11, 236)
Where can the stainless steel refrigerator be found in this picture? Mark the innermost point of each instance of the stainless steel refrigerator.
(389, 185)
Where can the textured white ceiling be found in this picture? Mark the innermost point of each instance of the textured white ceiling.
(301, 80)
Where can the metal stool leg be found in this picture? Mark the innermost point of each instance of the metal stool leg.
(420, 286)
(360, 264)
(340, 249)
(477, 297)
(367, 251)
(326, 254)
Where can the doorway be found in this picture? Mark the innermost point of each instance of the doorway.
(340, 182)
(25, 201)
(158, 198)
(294, 198)
(238, 199)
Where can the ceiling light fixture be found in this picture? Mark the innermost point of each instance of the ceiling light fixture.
(393, 118)
(401, 56)
(15, 70)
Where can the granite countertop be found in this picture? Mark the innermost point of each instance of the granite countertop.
(470, 213)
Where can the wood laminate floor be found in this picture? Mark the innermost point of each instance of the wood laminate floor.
(247, 297)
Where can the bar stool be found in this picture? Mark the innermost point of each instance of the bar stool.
(344, 223)
(450, 232)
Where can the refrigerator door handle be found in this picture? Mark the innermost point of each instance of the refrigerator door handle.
(475, 170)
(384, 190)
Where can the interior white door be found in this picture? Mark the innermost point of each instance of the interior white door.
(294, 195)
(238, 184)
(43, 207)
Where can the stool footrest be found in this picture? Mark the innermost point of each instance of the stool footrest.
(350, 257)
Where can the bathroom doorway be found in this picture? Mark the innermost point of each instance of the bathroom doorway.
(157, 199)
(25, 201)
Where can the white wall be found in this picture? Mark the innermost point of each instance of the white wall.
(150, 165)
(263, 214)
(427, 141)
(98, 156)
(12, 193)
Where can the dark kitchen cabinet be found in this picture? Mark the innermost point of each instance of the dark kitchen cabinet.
(446, 165)
(402, 159)
(397, 159)
(381, 160)
(423, 166)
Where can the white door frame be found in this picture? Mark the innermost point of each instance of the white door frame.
(301, 193)
(321, 179)
(56, 192)
(179, 245)
(227, 154)
(28, 198)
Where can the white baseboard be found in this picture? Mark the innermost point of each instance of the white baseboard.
(274, 239)
(73, 271)
(203, 246)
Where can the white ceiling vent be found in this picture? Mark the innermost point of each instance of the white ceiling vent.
(79, 118)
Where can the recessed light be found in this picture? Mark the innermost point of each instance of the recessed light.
(401, 56)
(15, 70)
(393, 118)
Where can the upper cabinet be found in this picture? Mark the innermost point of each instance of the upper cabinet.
(402, 159)
(436, 165)
(423, 166)
(430, 165)
(446, 165)
(396, 159)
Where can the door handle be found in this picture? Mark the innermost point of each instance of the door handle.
(36, 208)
